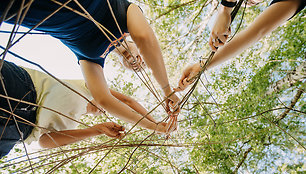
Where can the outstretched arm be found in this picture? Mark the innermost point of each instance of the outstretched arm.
(125, 99)
(145, 39)
(95, 80)
(266, 22)
(61, 138)
(133, 104)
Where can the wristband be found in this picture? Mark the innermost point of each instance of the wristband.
(228, 4)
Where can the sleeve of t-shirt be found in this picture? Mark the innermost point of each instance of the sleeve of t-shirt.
(93, 45)
(98, 60)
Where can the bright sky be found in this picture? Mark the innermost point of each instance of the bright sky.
(50, 53)
(44, 50)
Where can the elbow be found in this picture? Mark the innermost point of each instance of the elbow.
(262, 31)
(46, 142)
(128, 101)
(141, 38)
(105, 100)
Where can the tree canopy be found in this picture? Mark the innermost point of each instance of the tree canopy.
(245, 116)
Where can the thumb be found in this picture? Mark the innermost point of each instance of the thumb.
(181, 82)
(192, 75)
(190, 78)
(184, 83)
(228, 32)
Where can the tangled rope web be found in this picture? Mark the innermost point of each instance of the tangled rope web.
(218, 131)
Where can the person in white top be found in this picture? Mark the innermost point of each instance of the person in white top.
(54, 127)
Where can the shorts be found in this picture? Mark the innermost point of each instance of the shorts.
(18, 85)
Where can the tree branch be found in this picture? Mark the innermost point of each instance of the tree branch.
(245, 155)
(174, 8)
(292, 104)
(291, 78)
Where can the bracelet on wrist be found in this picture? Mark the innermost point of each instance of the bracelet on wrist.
(228, 4)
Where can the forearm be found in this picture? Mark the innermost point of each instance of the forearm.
(61, 138)
(147, 43)
(97, 85)
(265, 23)
(132, 104)
(141, 110)
(124, 112)
(154, 60)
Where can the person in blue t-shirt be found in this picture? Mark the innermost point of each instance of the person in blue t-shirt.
(92, 40)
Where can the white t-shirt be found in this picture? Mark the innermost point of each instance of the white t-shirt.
(54, 95)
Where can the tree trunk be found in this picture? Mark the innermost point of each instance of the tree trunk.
(290, 79)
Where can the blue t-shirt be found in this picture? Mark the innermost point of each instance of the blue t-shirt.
(78, 33)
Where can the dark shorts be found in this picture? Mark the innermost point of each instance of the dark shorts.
(18, 85)
(301, 6)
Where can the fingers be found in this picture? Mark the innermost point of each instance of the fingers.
(217, 40)
(120, 135)
(172, 107)
(176, 111)
(228, 32)
(183, 84)
(172, 103)
(221, 40)
(178, 89)
(188, 76)
(119, 131)
(136, 63)
(211, 42)
(114, 130)
(167, 105)
(167, 127)
(118, 127)
(172, 124)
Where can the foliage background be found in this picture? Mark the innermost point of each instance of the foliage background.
(246, 115)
